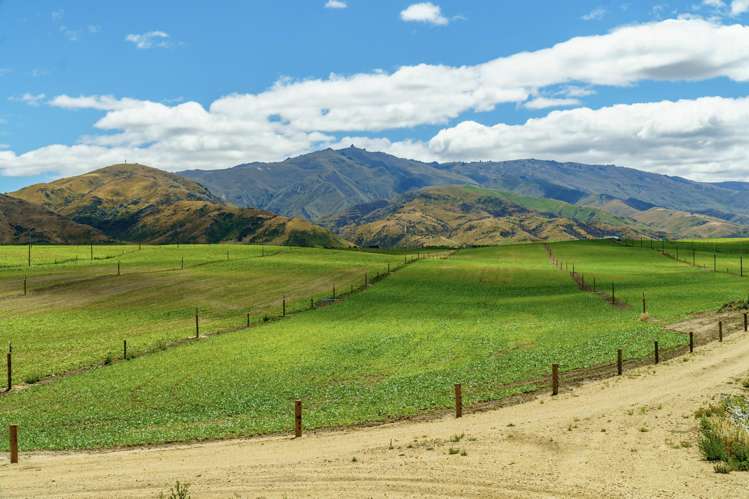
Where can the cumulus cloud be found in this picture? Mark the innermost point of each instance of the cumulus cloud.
(151, 39)
(335, 4)
(30, 99)
(425, 12)
(739, 7)
(296, 116)
(703, 138)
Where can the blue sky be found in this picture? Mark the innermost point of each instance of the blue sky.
(139, 80)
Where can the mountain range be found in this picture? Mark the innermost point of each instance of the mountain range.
(326, 183)
(337, 197)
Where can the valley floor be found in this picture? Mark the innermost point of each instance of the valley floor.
(620, 437)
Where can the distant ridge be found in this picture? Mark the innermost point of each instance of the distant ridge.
(327, 183)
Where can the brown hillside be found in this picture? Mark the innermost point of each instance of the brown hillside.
(22, 222)
(134, 202)
(466, 215)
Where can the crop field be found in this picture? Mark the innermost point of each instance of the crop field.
(78, 313)
(492, 319)
(721, 255)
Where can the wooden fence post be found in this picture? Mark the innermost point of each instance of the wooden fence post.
(720, 331)
(644, 305)
(13, 434)
(458, 401)
(298, 418)
(715, 262)
(746, 321)
(334, 291)
(25, 286)
(693, 262)
(124, 349)
(182, 264)
(594, 284)
(283, 305)
(657, 353)
(741, 266)
(554, 379)
(197, 323)
(388, 268)
(366, 280)
(10, 371)
(311, 303)
(248, 320)
(118, 268)
(691, 342)
(619, 366)
(613, 295)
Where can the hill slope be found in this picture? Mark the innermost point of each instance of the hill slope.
(328, 182)
(22, 222)
(322, 183)
(467, 215)
(138, 203)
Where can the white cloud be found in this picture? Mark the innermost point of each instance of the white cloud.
(739, 7)
(703, 138)
(71, 34)
(713, 3)
(425, 12)
(30, 99)
(545, 102)
(594, 14)
(296, 116)
(575, 91)
(151, 39)
(335, 4)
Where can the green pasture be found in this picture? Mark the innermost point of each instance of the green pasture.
(493, 319)
(77, 315)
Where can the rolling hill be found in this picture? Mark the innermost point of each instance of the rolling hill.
(467, 215)
(133, 202)
(22, 222)
(327, 183)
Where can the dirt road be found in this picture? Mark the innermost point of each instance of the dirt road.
(632, 436)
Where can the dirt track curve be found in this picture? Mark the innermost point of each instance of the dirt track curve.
(620, 437)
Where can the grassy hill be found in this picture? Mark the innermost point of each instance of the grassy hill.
(676, 224)
(23, 222)
(133, 202)
(467, 215)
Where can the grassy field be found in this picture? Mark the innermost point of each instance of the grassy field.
(492, 319)
(77, 314)
(719, 255)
